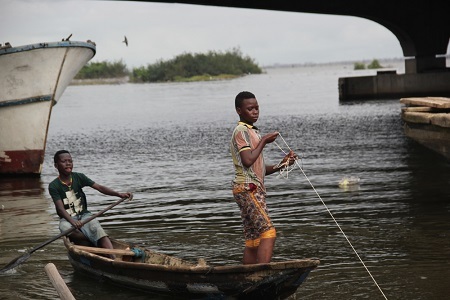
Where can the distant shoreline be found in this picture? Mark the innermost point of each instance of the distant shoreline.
(126, 79)
(333, 63)
(97, 81)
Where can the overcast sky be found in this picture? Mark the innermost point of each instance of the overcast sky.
(160, 31)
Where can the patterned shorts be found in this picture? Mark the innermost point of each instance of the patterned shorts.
(254, 213)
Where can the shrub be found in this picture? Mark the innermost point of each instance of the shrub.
(359, 66)
(105, 69)
(199, 65)
(374, 65)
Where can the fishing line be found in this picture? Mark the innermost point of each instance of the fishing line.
(331, 215)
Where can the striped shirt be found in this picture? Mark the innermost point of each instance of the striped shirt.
(245, 138)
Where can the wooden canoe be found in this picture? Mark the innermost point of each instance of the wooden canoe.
(164, 274)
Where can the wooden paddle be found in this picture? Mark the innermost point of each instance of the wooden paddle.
(105, 250)
(21, 259)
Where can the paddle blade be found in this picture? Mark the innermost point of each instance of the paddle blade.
(15, 262)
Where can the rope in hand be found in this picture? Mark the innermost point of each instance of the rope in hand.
(329, 212)
(284, 166)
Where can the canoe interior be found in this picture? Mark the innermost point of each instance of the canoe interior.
(164, 274)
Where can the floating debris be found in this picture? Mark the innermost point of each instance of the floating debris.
(349, 181)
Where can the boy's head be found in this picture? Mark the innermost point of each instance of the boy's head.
(56, 156)
(247, 107)
(63, 162)
(241, 97)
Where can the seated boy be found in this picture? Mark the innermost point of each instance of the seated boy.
(71, 205)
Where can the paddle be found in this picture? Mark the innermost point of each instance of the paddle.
(105, 251)
(21, 259)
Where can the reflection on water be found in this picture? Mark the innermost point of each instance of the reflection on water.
(168, 143)
(21, 203)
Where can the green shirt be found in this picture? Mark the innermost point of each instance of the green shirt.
(73, 198)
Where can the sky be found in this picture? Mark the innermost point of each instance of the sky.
(161, 31)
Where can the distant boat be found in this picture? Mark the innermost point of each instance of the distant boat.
(32, 79)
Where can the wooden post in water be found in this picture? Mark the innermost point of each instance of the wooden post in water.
(57, 281)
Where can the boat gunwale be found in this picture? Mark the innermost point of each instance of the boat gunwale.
(61, 44)
(306, 263)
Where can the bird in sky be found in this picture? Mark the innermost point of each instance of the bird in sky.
(125, 40)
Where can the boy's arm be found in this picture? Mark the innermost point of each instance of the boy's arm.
(271, 169)
(107, 191)
(248, 157)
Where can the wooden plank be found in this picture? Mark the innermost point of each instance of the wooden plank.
(439, 98)
(58, 283)
(418, 109)
(104, 250)
(417, 117)
(442, 120)
(437, 102)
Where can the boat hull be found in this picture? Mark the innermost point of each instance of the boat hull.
(276, 280)
(32, 80)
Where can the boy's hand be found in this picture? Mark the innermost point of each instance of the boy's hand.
(76, 223)
(291, 157)
(128, 195)
(270, 137)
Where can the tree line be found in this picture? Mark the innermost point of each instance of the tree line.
(181, 68)
(104, 69)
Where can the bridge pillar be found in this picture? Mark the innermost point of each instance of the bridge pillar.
(390, 85)
(423, 64)
(425, 76)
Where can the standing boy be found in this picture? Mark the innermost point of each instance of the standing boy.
(248, 185)
(71, 205)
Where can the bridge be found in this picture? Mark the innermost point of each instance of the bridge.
(422, 28)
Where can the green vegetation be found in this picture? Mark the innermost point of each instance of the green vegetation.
(185, 67)
(194, 67)
(96, 70)
(373, 65)
(359, 66)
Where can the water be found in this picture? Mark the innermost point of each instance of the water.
(168, 143)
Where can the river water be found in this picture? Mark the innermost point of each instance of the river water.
(168, 143)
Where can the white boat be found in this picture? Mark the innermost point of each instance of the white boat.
(32, 79)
